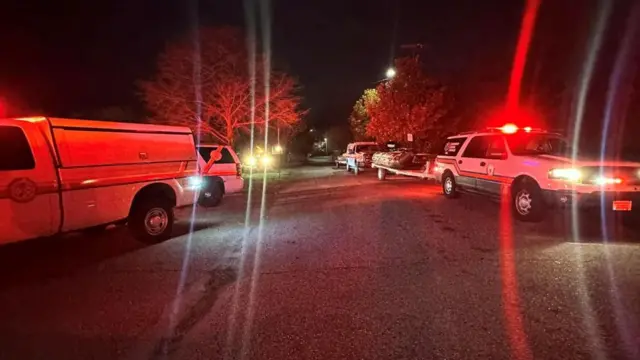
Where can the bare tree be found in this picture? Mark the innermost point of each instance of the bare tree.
(206, 85)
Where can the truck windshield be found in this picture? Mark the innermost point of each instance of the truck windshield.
(538, 144)
(370, 148)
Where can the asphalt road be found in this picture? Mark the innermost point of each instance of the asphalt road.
(330, 265)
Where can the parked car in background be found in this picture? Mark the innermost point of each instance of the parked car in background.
(221, 176)
(62, 175)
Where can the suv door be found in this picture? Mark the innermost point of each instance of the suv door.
(29, 199)
(495, 160)
(472, 163)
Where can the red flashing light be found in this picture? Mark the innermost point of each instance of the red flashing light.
(528, 129)
(509, 129)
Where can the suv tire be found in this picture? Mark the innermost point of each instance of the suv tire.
(449, 186)
(527, 202)
(212, 195)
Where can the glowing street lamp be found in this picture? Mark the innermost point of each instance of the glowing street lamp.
(391, 72)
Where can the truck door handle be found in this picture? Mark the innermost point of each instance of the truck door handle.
(483, 163)
(459, 161)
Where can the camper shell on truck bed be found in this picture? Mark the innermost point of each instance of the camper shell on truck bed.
(59, 175)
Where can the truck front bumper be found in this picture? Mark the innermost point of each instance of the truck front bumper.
(595, 199)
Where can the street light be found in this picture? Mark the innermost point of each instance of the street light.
(326, 146)
(391, 72)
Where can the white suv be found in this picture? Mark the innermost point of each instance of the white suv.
(535, 169)
(224, 176)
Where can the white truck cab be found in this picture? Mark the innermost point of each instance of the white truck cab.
(359, 155)
(535, 169)
(221, 176)
(61, 175)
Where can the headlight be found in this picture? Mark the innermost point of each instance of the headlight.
(195, 182)
(569, 174)
(250, 160)
(603, 180)
(266, 160)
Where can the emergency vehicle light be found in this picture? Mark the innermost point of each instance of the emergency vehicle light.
(508, 129)
(512, 128)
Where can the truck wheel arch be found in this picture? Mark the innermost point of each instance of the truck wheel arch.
(156, 190)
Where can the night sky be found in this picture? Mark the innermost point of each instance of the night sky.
(72, 56)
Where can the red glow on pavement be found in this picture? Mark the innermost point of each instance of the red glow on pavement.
(510, 298)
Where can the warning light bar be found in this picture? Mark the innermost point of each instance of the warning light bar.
(509, 128)
(512, 129)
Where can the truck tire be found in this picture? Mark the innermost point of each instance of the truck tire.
(527, 202)
(151, 220)
(382, 174)
(449, 186)
(212, 195)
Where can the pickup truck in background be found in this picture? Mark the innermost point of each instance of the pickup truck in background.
(359, 155)
(62, 175)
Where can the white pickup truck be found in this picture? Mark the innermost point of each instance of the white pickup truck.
(359, 154)
(61, 175)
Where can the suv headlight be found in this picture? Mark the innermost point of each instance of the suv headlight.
(569, 174)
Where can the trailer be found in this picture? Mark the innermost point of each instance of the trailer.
(426, 173)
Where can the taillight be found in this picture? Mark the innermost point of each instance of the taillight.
(238, 169)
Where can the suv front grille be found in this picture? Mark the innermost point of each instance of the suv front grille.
(630, 175)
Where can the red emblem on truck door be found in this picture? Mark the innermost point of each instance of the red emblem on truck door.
(22, 190)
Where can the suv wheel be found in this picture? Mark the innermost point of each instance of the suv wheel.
(212, 195)
(527, 202)
(449, 186)
(151, 220)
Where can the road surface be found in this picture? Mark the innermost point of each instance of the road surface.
(329, 265)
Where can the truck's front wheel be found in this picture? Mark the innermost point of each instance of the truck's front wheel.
(151, 220)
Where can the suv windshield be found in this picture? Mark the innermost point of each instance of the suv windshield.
(538, 144)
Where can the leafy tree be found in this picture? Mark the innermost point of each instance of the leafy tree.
(360, 118)
(410, 103)
(207, 85)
